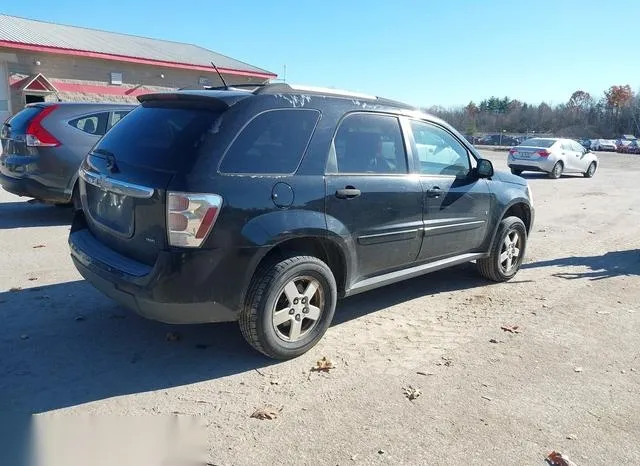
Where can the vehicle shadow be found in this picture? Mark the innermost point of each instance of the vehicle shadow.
(33, 214)
(66, 344)
(544, 176)
(611, 264)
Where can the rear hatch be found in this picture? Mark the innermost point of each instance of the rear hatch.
(14, 130)
(125, 177)
(532, 149)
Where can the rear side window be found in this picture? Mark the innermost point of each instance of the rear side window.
(20, 120)
(95, 124)
(116, 117)
(370, 143)
(159, 137)
(272, 143)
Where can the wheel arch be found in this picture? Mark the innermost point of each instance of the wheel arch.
(324, 248)
(520, 208)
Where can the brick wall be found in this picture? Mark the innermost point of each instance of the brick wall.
(136, 78)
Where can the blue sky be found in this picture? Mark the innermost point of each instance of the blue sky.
(420, 51)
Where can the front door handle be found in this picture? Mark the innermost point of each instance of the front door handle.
(434, 192)
(349, 192)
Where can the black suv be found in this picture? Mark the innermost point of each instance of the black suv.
(265, 206)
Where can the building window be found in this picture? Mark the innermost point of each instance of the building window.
(116, 78)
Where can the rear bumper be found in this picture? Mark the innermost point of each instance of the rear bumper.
(180, 288)
(531, 165)
(31, 188)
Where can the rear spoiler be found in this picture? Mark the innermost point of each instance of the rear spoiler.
(218, 100)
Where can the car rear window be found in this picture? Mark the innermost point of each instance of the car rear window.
(537, 142)
(159, 137)
(20, 120)
(272, 143)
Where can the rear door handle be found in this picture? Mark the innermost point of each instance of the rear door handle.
(434, 192)
(349, 192)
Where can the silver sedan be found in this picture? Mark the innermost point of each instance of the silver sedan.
(553, 156)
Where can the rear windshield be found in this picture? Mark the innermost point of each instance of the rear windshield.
(537, 142)
(20, 120)
(158, 137)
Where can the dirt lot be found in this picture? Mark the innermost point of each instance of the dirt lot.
(569, 380)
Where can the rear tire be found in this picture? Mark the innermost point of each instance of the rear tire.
(507, 252)
(516, 172)
(557, 170)
(288, 286)
(591, 170)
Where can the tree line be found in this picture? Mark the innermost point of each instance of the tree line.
(614, 113)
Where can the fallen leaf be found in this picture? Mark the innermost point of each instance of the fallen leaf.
(172, 336)
(323, 365)
(493, 340)
(577, 369)
(32, 279)
(268, 414)
(424, 373)
(484, 397)
(381, 452)
(558, 459)
(37, 246)
(274, 382)
(411, 393)
(510, 329)
(14, 289)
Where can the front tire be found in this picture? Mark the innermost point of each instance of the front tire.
(591, 170)
(289, 307)
(507, 253)
(557, 170)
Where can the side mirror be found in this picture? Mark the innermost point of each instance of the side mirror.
(484, 168)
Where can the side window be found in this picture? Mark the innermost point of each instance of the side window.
(116, 117)
(370, 143)
(439, 153)
(95, 124)
(272, 143)
(566, 145)
(577, 147)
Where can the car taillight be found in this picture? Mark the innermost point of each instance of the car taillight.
(190, 217)
(512, 151)
(36, 135)
(544, 153)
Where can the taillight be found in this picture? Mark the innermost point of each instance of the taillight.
(544, 153)
(513, 151)
(190, 217)
(36, 135)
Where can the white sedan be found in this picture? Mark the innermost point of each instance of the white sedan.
(604, 144)
(553, 156)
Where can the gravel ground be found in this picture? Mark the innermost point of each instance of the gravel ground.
(567, 380)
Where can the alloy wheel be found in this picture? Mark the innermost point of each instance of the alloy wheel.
(510, 252)
(298, 308)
